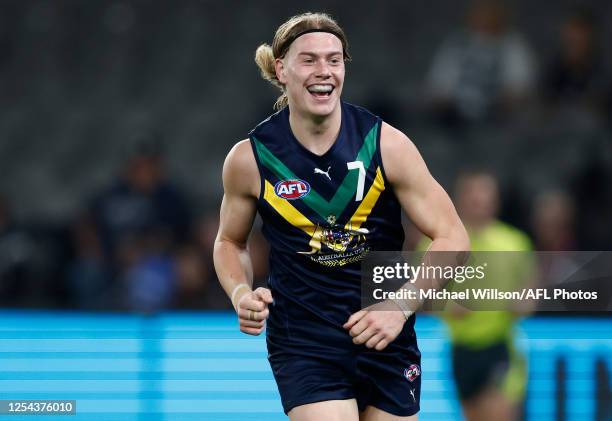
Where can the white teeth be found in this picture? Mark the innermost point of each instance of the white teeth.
(320, 88)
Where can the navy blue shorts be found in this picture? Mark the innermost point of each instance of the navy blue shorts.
(326, 365)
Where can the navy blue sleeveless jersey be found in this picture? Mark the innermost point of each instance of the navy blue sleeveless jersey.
(322, 214)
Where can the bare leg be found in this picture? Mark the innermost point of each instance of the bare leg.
(374, 414)
(334, 410)
(490, 404)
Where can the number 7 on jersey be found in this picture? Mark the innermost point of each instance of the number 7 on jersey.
(358, 165)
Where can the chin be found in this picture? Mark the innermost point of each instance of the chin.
(323, 110)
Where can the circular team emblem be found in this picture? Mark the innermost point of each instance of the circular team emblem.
(292, 189)
(412, 372)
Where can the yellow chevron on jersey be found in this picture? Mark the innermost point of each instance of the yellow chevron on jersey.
(330, 209)
(318, 233)
(368, 202)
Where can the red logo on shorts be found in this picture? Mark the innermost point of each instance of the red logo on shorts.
(412, 372)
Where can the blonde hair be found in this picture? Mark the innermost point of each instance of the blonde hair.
(265, 55)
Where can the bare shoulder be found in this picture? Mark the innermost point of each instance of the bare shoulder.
(240, 173)
(399, 154)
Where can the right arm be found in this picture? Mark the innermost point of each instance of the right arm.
(231, 256)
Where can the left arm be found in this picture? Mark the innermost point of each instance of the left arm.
(430, 209)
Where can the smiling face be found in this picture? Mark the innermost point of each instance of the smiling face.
(312, 72)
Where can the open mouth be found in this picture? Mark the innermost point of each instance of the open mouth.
(321, 90)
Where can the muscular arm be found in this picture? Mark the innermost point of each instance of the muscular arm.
(421, 197)
(232, 261)
(231, 257)
(433, 213)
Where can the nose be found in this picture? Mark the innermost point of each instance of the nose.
(322, 69)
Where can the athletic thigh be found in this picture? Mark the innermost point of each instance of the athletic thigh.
(333, 410)
(374, 414)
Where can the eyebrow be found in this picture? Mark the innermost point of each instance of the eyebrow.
(311, 54)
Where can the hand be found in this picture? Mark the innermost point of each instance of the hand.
(252, 310)
(376, 326)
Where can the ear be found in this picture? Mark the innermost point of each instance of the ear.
(279, 66)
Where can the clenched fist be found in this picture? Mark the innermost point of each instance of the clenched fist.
(252, 310)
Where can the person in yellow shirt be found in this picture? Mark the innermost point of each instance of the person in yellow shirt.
(489, 373)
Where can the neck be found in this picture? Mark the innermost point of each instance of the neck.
(315, 133)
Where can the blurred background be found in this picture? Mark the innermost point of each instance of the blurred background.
(115, 118)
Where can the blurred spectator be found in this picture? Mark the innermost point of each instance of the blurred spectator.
(17, 261)
(213, 296)
(141, 200)
(553, 222)
(553, 227)
(89, 278)
(483, 71)
(197, 284)
(197, 279)
(131, 231)
(489, 372)
(148, 275)
(592, 191)
(192, 279)
(576, 75)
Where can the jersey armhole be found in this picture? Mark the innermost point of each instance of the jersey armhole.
(379, 122)
(262, 181)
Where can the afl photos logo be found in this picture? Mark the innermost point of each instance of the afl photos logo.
(292, 189)
(412, 372)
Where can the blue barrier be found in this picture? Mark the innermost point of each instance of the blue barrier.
(198, 366)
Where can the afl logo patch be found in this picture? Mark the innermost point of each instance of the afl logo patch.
(412, 372)
(292, 189)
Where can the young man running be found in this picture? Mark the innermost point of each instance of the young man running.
(329, 180)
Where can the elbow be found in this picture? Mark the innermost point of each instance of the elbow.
(459, 238)
(222, 244)
(455, 239)
(461, 242)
